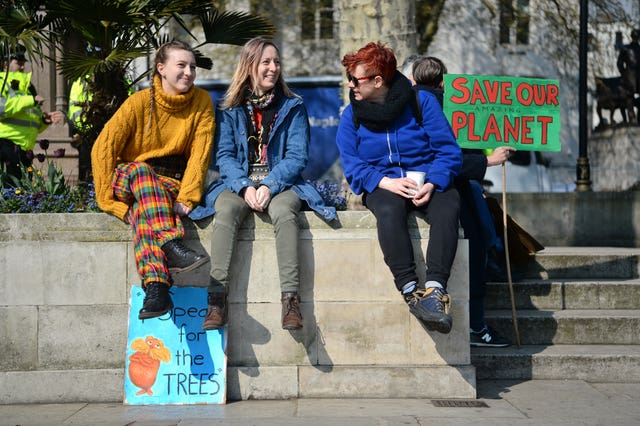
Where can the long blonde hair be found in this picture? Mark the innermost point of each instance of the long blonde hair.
(161, 57)
(247, 72)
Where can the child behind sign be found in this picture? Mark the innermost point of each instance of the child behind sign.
(475, 218)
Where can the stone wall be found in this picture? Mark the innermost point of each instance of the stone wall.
(588, 219)
(65, 281)
(614, 155)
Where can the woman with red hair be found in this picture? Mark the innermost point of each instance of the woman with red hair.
(386, 131)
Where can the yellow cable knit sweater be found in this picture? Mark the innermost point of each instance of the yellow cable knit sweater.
(181, 125)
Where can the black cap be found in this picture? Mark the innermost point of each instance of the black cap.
(18, 57)
(18, 54)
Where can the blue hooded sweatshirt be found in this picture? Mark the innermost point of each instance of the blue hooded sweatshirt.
(368, 156)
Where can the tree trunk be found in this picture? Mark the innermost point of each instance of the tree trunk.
(362, 21)
(392, 23)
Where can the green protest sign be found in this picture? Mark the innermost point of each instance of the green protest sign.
(490, 111)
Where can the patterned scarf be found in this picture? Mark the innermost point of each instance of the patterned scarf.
(266, 107)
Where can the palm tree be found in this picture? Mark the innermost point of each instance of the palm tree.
(21, 26)
(100, 39)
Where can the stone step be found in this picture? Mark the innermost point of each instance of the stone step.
(570, 327)
(593, 363)
(566, 294)
(578, 311)
(583, 262)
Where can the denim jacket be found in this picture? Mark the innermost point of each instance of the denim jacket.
(287, 155)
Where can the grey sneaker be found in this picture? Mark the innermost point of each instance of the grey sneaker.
(431, 307)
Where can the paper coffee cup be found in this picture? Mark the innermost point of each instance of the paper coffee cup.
(417, 177)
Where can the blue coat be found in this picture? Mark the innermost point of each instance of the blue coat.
(369, 156)
(287, 155)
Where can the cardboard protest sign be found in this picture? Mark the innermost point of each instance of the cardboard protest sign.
(170, 359)
(489, 111)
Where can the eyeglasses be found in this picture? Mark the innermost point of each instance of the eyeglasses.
(356, 80)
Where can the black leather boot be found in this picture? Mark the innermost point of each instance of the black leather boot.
(157, 301)
(181, 258)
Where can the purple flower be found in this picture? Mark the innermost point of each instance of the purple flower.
(44, 144)
(40, 158)
(29, 155)
(59, 152)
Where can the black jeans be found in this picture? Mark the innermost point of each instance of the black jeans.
(473, 232)
(11, 155)
(441, 213)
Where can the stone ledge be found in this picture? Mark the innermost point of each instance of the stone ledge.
(65, 281)
(575, 219)
(101, 227)
(592, 219)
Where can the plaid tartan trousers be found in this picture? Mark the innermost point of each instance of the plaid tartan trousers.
(151, 197)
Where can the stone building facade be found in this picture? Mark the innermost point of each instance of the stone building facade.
(473, 37)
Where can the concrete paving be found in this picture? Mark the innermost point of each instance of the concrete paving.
(534, 402)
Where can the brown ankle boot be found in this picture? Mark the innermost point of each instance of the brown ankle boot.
(216, 313)
(291, 315)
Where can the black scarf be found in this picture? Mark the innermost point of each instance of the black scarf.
(376, 117)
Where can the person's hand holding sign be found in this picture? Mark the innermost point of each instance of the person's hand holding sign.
(499, 155)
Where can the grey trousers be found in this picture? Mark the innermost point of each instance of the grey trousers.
(231, 210)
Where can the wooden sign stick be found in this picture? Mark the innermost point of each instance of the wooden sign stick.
(506, 253)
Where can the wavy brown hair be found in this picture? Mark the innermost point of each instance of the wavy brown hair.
(247, 72)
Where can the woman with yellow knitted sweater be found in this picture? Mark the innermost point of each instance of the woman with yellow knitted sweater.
(149, 167)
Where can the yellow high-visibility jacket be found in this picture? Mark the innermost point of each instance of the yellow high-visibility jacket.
(77, 97)
(20, 115)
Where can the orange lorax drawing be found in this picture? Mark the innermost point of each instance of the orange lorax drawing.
(145, 362)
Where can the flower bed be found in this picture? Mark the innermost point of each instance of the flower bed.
(42, 188)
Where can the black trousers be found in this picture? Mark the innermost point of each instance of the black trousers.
(473, 231)
(11, 156)
(391, 211)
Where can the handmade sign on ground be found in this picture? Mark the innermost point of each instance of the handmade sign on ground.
(170, 359)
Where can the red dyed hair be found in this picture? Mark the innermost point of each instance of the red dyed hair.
(377, 58)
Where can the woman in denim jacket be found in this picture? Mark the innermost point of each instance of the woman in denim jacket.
(261, 141)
